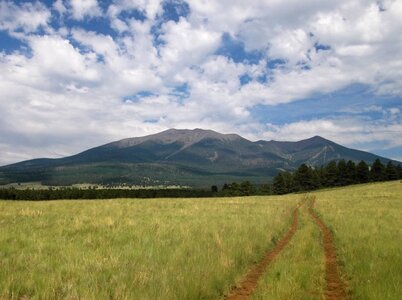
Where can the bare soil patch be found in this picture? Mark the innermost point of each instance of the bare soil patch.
(249, 282)
(336, 288)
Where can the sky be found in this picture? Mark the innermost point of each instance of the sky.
(75, 74)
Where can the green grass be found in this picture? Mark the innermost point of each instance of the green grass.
(198, 248)
(298, 271)
(134, 249)
(367, 225)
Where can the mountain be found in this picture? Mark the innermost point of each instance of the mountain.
(185, 157)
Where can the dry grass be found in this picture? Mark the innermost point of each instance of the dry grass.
(134, 249)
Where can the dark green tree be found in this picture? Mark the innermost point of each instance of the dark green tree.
(290, 186)
(278, 186)
(265, 189)
(321, 174)
(304, 178)
(350, 176)
(399, 171)
(342, 173)
(390, 171)
(377, 172)
(331, 174)
(362, 172)
(246, 188)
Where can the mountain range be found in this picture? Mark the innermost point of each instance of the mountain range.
(182, 157)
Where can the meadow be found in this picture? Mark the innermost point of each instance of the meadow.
(199, 248)
(367, 225)
(126, 249)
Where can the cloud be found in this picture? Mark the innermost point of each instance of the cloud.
(185, 45)
(153, 68)
(59, 6)
(350, 131)
(27, 17)
(84, 8)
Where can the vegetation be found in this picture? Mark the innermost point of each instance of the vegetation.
(367, 224)
(76, 193)
(334, 174)
(299, 272)
(305, 178)
(134, 249)
(199, 248)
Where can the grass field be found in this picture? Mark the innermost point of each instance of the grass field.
(367, 224)
(142, 249)
(199, 248)
(299, 272)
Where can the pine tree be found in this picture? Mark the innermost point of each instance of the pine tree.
(350, 176)
(342, 173)
(321, 174)
(331, 174)
(362, 172)
(305, 178)
(279, 184)
(399, 171)
(377, 171)
(246, 188)
(290, 186)
(265, 189)
(390, 171)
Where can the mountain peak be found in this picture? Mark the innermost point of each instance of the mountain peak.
(316, 139)
(186, 137)
(183, 156)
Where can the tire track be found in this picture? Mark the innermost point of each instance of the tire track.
(336, 288)
(249, 282)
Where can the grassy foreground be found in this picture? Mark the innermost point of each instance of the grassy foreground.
(366, 221)
(134, 249)
(198, 248)
(367, 225)
(299, 271)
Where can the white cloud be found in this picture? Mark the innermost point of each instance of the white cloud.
(150, 8)
(72, 82)
(56, 56)
(59, 6)
(84, 8)
(186, 45)
(27, 17)
(292, 45)
(395, 110)
(346, 131)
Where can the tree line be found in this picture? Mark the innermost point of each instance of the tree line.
(76, 193)
(305, 178)
(334, 174)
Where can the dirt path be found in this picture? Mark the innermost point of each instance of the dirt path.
(249, 283)
(335, 288)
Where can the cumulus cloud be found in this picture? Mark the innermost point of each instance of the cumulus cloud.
(59, 6)
(147, 72)
(346, 130)
(186, 45)
(84, 8)
(27, 17)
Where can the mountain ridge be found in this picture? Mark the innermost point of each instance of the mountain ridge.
(182, 156)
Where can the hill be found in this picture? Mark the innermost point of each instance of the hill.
(185, 157)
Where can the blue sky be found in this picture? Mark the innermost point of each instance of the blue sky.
(79, 73)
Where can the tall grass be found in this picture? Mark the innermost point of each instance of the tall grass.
(198, 248)
(367, 225)
(134, 249)
(298, 271)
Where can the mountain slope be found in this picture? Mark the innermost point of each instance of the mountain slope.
(188, 157)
